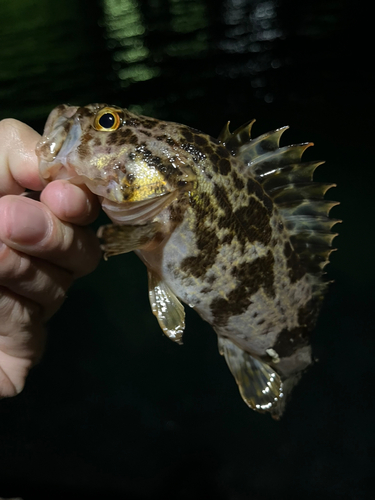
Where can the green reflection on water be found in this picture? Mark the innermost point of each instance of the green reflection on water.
(188, 15)
(188, 48)
(125, 28)
(137, 73)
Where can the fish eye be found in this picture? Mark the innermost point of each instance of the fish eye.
(107, 120)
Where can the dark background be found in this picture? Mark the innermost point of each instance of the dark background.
(115, 410)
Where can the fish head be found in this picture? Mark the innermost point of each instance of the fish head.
(118, 155)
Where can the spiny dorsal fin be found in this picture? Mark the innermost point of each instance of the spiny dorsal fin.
(289, 183)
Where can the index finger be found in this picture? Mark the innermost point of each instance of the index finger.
(18, 161)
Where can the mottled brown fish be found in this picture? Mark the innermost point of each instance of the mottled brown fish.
(234, 227)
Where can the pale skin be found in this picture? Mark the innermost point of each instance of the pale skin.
(44, 246)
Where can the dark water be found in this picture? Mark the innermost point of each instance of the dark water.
(115, 410)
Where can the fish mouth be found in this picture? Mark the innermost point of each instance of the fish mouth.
(62, 134)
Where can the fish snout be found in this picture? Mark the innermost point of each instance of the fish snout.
(61, 134)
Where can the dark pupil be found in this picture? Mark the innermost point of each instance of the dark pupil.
(107, 120)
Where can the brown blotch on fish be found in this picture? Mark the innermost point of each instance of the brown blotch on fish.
(252, 276)
(250, 223)
(253, 187)
(207, 240)
(222, 151)
(149, 123)
(60, 107)
(146, 132)
(296, 270)
(208, 150)
(198, 265)
(66, 127)
(86, 138)
(223, 201)
(288, 341)
(224, 166)
(112, 138)
(227, 239)
(200, 140)
(238, 182)
(259, 229)
(171, 142)
(177, 210)
(125, 132)
(133, 139)
(83, 150)
(211, 279)
(188, 135)
(214, 159)
(84, 112)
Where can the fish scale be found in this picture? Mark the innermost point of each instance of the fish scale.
(234, 227)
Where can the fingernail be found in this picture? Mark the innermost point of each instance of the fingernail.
(27, 223)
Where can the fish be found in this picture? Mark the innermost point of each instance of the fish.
(234, 227)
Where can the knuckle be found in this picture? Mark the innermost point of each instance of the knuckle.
(62, 236)
(14, 309)
(14, 266)
(23, 268)
(59, 237)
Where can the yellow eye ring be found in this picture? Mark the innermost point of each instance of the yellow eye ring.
(107, 120)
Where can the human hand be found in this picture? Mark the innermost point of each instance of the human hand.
(43, 248)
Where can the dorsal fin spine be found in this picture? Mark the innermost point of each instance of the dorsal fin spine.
(289, 183)
(225, 133)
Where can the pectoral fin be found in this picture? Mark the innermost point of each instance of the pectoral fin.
(260, 386)
(123, 239)
(166, 307)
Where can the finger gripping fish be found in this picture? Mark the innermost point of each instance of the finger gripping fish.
(234, 227)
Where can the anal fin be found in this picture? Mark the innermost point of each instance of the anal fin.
(118, 239)
(167, 308)
(260, 386)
